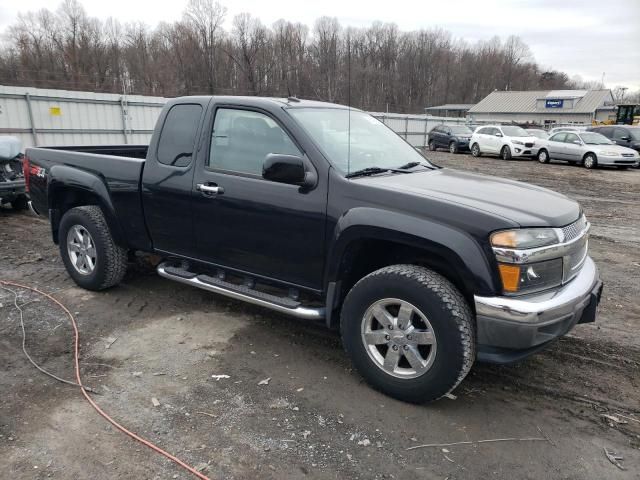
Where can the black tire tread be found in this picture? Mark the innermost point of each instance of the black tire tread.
(453, 301)
(115, 256)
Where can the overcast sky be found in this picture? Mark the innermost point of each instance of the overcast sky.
(579, 37)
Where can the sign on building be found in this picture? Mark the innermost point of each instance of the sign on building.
(553, 103)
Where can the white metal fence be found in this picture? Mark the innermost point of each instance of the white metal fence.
(61, 117)
(415, 128)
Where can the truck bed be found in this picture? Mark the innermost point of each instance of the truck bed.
(118, 167)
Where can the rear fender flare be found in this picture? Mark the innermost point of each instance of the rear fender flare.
(64, 178)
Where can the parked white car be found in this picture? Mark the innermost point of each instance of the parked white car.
(507, 141)
(587, 148)
(568, 129)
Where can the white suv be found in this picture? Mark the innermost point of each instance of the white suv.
(507, 141)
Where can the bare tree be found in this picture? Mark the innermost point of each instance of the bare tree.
(378, 67)
(206, 17)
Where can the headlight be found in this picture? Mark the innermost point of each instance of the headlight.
(517, 142)
(531, 277)
(609, 154)
(525, 238)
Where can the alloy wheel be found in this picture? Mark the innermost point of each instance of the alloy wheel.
(81, 249)
(398, 338)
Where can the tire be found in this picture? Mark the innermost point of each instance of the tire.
(432, 145)
(475, 150)
(20, 203)
(431, 297)
(453, 147)
(543, 156)
(105, 263)
(590, 161)
(505, 153)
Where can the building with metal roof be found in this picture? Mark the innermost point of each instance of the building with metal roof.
(545, 107)
(449, 109)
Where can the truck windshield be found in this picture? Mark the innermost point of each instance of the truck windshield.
(355, 143)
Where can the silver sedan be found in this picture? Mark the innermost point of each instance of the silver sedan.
(587, 148)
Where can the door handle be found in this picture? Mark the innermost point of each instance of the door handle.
(209, 190)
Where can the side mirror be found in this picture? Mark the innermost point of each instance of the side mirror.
(577, 142)
(625, 138)
(288, 169)
(498, 134)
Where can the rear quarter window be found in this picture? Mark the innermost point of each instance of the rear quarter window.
(178, 135)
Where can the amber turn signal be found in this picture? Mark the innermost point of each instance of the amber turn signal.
(510, 275)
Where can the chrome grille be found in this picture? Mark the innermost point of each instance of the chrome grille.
(628, 155)
(573, 231)
(528, 144)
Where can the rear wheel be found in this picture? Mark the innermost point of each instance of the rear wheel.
(590, 161)
(409, 332)
(505, 153)
(432, 145)
(543, 156)
(475, 150)
(89, 253)
(453, 147)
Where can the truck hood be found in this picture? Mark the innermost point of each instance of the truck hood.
(522, 203)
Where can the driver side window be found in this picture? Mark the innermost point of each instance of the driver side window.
(241, 139)
(571, 138)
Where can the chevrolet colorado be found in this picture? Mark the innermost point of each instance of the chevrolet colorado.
(321, 212)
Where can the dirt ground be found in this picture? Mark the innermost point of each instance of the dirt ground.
(152, 338)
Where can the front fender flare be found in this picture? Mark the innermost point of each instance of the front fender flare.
(454, 246)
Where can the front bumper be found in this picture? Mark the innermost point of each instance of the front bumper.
(463, 144)
(12, 188)
(624, 161)
(523, 151)
(511, 328)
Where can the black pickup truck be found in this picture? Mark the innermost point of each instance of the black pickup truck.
(321, 212)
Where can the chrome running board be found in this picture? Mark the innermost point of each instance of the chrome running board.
(284, 305)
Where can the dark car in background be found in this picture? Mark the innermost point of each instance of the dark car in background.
(455, 138)
(623, 135)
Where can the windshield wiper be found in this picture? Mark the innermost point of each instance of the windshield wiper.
(372, 171)
(413, 165)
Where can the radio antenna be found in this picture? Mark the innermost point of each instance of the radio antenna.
(349, 102)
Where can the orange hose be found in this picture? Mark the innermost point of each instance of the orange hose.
(90, 400)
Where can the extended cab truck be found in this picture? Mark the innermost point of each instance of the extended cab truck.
(321, 212)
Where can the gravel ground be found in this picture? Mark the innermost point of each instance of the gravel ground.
(315, 418)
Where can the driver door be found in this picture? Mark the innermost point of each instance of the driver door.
(572, 148)
(248, 224)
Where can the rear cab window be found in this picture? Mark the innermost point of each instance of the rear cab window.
(178, 135)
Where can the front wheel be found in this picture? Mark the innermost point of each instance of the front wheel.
(89, 253)
(590, 161)
(432, 145)
(409, 332)
(20, 203)
(475, 150)
(543, 156)
(505, 153)
(453, 147)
